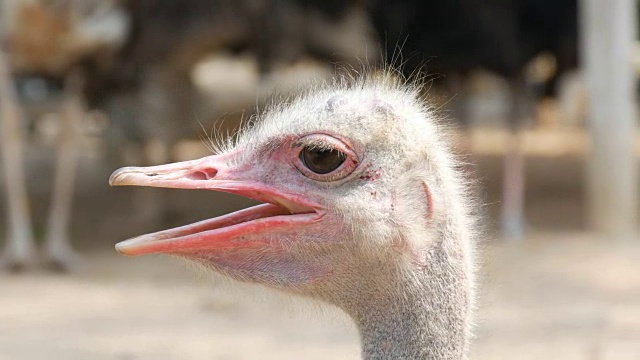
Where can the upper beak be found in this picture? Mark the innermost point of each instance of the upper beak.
(210, 173)
(186, 174)
(229, 231)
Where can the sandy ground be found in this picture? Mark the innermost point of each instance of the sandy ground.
(557, 296)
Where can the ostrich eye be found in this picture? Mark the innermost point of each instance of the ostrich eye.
(323, 157)
(322, 161)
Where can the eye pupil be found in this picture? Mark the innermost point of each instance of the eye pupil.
(322, 161)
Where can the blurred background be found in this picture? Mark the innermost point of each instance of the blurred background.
(541, 96)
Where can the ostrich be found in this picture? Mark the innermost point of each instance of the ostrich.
(49, 39)
(364, 209)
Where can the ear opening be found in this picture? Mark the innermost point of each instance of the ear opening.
(429, 196)
(417, 192)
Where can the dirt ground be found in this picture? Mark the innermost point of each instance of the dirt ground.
(562, 293)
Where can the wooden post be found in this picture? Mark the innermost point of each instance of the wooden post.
(608, 31)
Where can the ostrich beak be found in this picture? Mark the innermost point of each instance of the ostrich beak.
(246, 228)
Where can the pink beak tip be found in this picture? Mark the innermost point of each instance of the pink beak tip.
(124, 176)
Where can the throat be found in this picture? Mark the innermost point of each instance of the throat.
(426, 315)
(413, 333)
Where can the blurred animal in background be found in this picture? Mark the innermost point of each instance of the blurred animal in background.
(450, 39)
(53, 40)
(365, 209)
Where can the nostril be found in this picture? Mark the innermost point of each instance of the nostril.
(203, 174)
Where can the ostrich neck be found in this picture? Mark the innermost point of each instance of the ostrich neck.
(427, 315)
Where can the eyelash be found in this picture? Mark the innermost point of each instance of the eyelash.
(314, 144)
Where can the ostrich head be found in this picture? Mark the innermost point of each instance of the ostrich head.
(363, 209)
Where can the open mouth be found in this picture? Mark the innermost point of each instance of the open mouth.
(240, 229)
